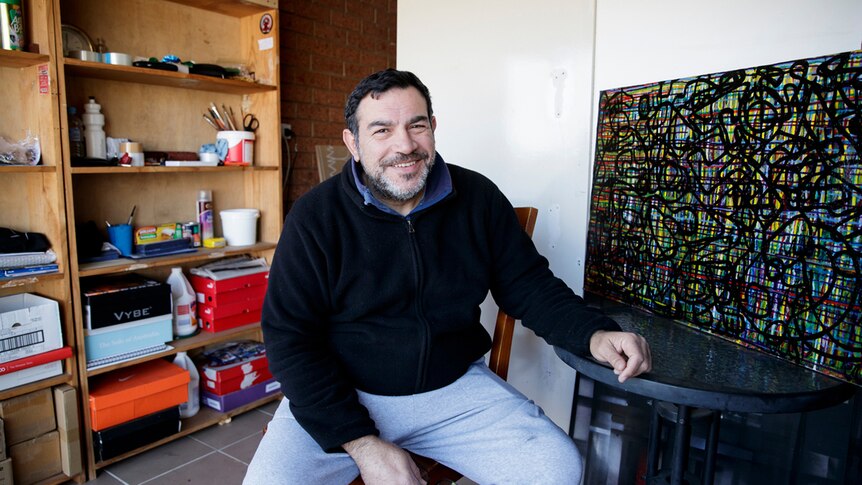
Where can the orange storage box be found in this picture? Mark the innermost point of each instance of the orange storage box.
(132, 392)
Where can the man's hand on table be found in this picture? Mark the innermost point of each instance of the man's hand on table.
(628, 353)
(381, 462)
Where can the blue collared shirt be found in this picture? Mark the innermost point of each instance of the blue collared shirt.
(437, 187)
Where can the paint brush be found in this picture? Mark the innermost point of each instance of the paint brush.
(226, 115)
(211, 122)
(132, 215)
(217, 116)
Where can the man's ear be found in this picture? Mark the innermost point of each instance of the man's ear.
(350, 142)
(433, 123)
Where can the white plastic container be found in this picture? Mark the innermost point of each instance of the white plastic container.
(193, 405)
(185, 320)
(94, 129)
(239, 226)
(240, 147)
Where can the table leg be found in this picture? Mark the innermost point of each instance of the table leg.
(711, 448)
(682, 438)
(654, 442)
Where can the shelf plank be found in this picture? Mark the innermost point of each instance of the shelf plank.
(65, 378)
(204, 418)
(27, 280)
(27, 169)
(124, 265)
(21, 59)
(160, 169)
(156, 77)
(201, 339)
(235, 8)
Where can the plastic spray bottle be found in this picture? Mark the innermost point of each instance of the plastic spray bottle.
(205, 213)
(185, 320)
(193, 405)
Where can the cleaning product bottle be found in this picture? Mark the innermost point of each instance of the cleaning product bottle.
(193, 405)
(185, 321)
(205, 213)
(76, 134)
(94, 129)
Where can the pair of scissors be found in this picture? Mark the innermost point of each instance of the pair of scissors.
(250, 123)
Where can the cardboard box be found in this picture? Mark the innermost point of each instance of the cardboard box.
(32, 374)
(132, 392)
(128, 337)
(66, 409)
(122, 438)
(27, 416)
(235, 378)
(6, 477)
(29, 324)
(231, 290)
(36, 459)
(236, 399)
(114, 300)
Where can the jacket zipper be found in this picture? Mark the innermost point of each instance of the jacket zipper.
(425, 350)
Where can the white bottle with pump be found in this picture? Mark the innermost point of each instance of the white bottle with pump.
(193, 404)
(185, 320)
(94, 129)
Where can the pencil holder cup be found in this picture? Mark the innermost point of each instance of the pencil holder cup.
(120, 236)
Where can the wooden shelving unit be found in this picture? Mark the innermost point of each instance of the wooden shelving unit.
(32, 197)
(162, 110)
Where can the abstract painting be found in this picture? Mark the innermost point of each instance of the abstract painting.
(732, 202)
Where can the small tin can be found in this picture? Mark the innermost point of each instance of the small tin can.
(192, 230)
(11, 25)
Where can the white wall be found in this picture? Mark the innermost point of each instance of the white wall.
(490, 67)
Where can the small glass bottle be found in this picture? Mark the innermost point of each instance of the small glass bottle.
(77, 148)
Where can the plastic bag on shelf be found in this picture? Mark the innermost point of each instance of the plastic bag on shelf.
(24, 152)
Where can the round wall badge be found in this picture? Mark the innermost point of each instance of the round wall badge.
(265, 23)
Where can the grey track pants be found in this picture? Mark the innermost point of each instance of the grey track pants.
(479, 425)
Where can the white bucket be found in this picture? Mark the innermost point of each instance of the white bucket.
(240, 147)
(239, 226)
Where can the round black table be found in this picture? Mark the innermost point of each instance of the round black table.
(695, 369)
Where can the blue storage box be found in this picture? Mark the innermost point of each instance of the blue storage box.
(127, 339)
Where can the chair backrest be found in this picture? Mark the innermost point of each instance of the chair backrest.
(501, 349)
(330, 159)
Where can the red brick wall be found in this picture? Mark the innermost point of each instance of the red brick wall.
(327, 46)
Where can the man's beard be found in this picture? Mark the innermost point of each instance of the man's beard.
(385, 188)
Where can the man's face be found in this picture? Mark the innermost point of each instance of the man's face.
(395, 145)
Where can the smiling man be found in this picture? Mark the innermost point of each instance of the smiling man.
(371, 319)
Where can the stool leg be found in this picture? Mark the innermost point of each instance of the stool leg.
(681, 444)
(654, 442)
(711, 448)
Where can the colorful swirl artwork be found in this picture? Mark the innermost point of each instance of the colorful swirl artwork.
(732, 202)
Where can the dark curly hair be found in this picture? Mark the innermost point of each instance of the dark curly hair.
(379, 83)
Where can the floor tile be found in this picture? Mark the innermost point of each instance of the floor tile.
(243, 450)
(269, 408)
(240, 427)
(104, 478)
(214, 468)
(159, 460)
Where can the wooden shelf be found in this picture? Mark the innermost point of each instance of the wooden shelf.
(125, 265)
(201, 339)
(27, 280)
(21, 59)
(235, 8)
(206, 417)
(135, 170)
(156, 77)
(28, 168)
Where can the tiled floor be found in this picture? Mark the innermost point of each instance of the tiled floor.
(216, 455)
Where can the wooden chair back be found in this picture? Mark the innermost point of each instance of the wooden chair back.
(434, 472)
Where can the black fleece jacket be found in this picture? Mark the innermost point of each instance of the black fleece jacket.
(362, 299)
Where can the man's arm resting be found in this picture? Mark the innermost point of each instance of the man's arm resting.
(381, 462)
(628, 353)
